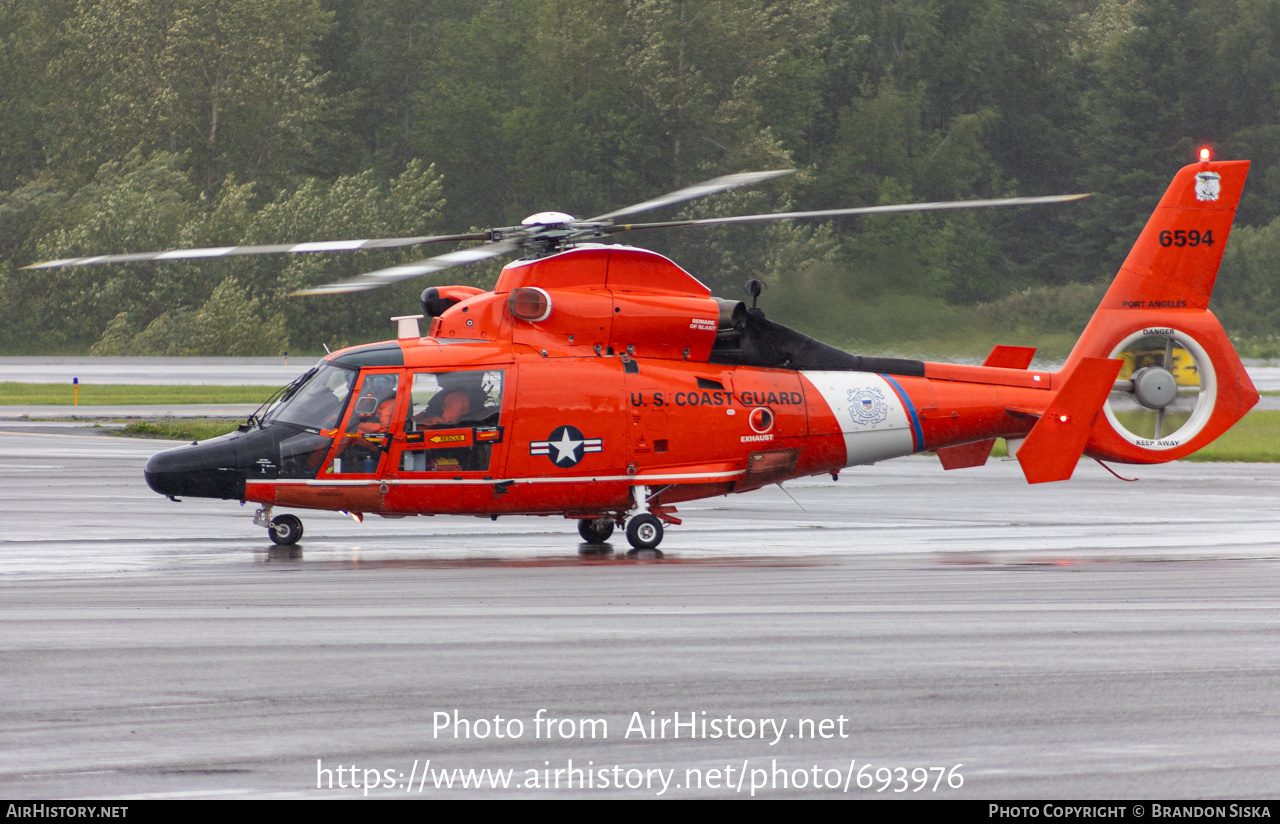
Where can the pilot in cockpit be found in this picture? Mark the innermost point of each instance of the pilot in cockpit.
(377, 400)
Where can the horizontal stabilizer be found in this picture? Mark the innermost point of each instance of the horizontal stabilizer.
(966, 454)
(1010, 357)
(975, 454)
(1058, 439)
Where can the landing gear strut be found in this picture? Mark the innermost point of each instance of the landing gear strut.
(644, 529)
(285, 530)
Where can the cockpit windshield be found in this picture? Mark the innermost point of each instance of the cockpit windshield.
(318, 402)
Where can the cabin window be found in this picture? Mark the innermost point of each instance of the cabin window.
(450, 399)
(374, 405)
(452, 421)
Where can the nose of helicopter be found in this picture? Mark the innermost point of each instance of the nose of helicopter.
(204, 470)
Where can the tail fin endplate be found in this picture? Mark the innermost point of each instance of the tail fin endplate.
(1053, 448)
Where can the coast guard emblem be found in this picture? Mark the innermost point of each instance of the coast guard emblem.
(1208, 184)
(867, 406)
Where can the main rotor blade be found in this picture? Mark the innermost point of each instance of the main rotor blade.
(268, 249)
(861, 210)
(710, 187)
(394, 274)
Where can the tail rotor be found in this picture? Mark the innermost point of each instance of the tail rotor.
(1166, 387)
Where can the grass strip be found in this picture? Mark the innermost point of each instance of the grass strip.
(1254, 439)
(62, 394)
(178, 429)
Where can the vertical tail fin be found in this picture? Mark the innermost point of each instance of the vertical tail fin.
(1053, 448)
(1183, 384)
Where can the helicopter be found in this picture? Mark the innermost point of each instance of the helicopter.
(604, 383)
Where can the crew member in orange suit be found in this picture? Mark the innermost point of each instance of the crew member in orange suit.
(460, 393)
(382, 389)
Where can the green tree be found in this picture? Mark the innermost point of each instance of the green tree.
(353, 206)
(704, 73)
(229, 83)
(139, 204)
(28, 44)
(1247, 294)
(1171, 76)
(232, 324)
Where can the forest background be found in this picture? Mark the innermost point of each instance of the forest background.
(133, 125)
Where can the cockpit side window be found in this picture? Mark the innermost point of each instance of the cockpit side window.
(318, 403)
(374, 405)
(366, 437)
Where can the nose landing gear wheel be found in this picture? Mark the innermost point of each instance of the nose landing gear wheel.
(595, 531)
(644, 531)
(285, 530)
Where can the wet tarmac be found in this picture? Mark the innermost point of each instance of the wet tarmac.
(1092, 639)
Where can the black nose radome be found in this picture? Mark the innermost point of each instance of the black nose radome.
(206, 470)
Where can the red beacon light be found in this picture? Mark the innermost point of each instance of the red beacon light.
(1205, 154)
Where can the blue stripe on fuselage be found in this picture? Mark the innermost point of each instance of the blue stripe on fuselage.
(917, 434)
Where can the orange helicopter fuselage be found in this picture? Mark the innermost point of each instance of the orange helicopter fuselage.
(613, 386)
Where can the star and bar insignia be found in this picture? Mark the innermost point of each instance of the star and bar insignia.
(566, 446)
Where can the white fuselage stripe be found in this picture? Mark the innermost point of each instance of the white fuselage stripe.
(575, 479)
(872, 419)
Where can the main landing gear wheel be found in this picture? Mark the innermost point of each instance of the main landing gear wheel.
(595, 530)
(285, 530)
(644, 531)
